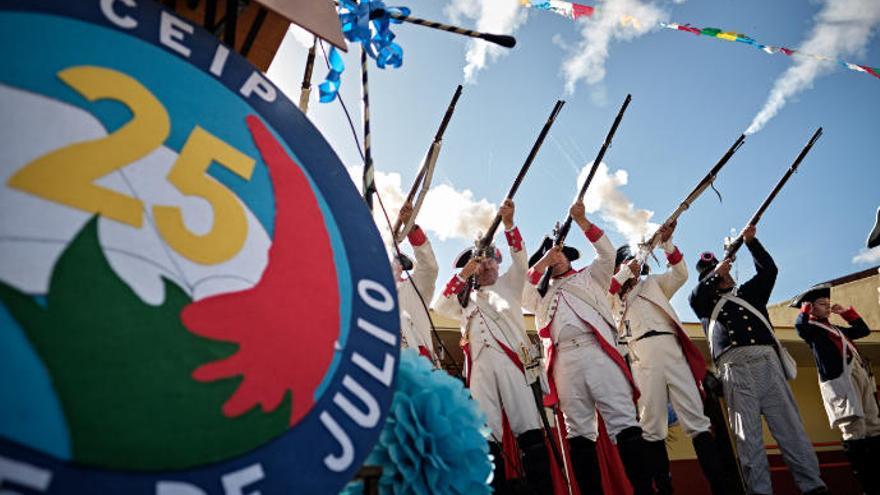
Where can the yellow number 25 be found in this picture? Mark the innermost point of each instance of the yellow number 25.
(67, 175)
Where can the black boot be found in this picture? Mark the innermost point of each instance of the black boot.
(873, 461)
(536, 462)
(659, 460)
(634, 454)
(585, 464)
(499, 475)
(720, 480)
(858, 452)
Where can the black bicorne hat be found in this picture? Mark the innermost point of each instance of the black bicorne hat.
(707, 262)
(874, 236)
(569, 252)
(405, 262)
(811, 294)
(466, 255)
(624, 253)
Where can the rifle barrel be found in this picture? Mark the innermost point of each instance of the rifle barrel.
(486, 240)
(562, 232)
(694, 194)
(566, 225)
(490, 234)
(737, 243)
(432, 150)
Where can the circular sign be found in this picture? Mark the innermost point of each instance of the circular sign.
(193, 297)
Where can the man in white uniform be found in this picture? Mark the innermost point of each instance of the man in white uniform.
(415, 292)
(585, 368)
(665, 363)
(497, 349)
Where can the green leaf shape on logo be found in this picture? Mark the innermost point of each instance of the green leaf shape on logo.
(122, 370)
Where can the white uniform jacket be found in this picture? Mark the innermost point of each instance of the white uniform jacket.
(656, 290)
(494, 316)
(586, 292)
(415, 323)
(647, 308)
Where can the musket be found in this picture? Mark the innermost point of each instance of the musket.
(426, 170)
(306, 88)
(562, 232)
(648, 246)
(485, 241)
(733, 247)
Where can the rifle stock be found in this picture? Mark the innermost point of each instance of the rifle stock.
(730, 251)
(486, 240)
(562, 232)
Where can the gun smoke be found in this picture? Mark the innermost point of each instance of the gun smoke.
(491, 16)
(446, 212)
(843, 29)
(618, 20)
(605, 197)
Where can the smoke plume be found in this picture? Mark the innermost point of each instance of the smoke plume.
(615, 20)
(446, 212)
(843, 29)
(605, 197)
(492, 16)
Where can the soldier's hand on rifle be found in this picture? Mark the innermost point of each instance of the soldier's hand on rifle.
(550, 258)
(471, 267)
(748, 233)
(506, 212)
(405, 212)
(578, 214)
(838, 309)
(635, 267)
(723, 268)
(666, 231)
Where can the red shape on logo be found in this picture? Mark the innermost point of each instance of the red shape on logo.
(287, 324)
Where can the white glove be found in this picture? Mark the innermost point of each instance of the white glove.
(623, 274)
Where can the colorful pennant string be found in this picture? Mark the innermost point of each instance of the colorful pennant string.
(368, 23)
(575, 11)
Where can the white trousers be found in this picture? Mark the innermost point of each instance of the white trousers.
(754, 385)
(496, 384)
(868, 426)
(588, 380)
(663, 376)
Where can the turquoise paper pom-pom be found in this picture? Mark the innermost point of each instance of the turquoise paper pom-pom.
(434, 440)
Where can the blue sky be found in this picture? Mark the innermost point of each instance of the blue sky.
(692, 96)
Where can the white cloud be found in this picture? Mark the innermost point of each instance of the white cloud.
(617, 20)
(843, 29)
(491, 16)
(605, 197)
(447, 212)
(867, 256)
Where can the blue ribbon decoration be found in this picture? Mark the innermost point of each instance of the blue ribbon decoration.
(330, 87)
(376, 39)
